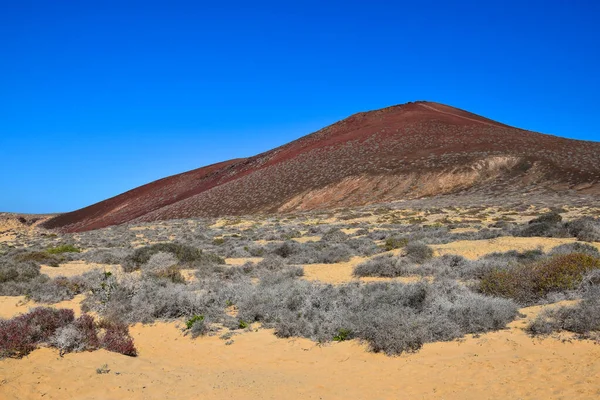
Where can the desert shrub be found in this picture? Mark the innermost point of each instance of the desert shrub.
(342, 334)
(457, 267)
(327, 255)
(78, 336)
(528, 283)
(285, 250)
(190, 322)
(23, 278)
(163, 265)
(106, 256)
(159, 261)
(22, 334)
(197, 326)
(17, 271)
(394, 243)
(390, 317)
(448, 265)
(385, 266)
(582, 318)
(54, 290)
(395, 331)
(575, 247)
(39, 257)
(334, 236)
(586, 229)
(513, 256)
(255, 251)
(172, 274)
(377, 234)
(294, 233)
(271, 263)
(190, 256)
(546, 225)
(363, 246)
(543, 230)
(313, 253)
(64, 248)
(226, 272)
(551, 217)
(143, 300)
(243, 324)
(132, 299)
(418, 252)
(115, 337)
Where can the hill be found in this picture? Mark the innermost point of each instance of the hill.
(407, 151)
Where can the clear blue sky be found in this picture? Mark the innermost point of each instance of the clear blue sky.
(98, 97)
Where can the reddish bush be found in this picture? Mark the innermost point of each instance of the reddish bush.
(87, 326)
(59, 328)
(21, 335)
(14, 339)
(42, 322)
(116, 338)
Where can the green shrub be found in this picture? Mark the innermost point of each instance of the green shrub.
(197, 326)
(529, 283)
(196, 318)
(342, 334)
(65, 248)
(394, 243)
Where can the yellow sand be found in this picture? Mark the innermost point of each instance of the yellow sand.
(13, 305)
(473, 249)
(306, 239)
(242, 260)
(501, 365)
(340, 273)
(74, 268)
(332, 273)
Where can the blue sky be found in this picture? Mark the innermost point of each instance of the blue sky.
(98, 97)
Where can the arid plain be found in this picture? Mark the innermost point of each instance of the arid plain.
(253, 315)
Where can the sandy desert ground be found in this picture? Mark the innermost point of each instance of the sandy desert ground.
(505, 364)
(501, 365)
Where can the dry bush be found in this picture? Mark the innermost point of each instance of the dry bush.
(185, 255)
(582, 318)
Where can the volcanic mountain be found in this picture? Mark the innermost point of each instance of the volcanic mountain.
(407, 151)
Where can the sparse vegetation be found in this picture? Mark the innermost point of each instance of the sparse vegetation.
(391, 317)
(459, 295)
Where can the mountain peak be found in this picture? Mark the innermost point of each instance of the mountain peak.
(400, 152)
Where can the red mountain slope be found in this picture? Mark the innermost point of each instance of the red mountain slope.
(407, 151)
